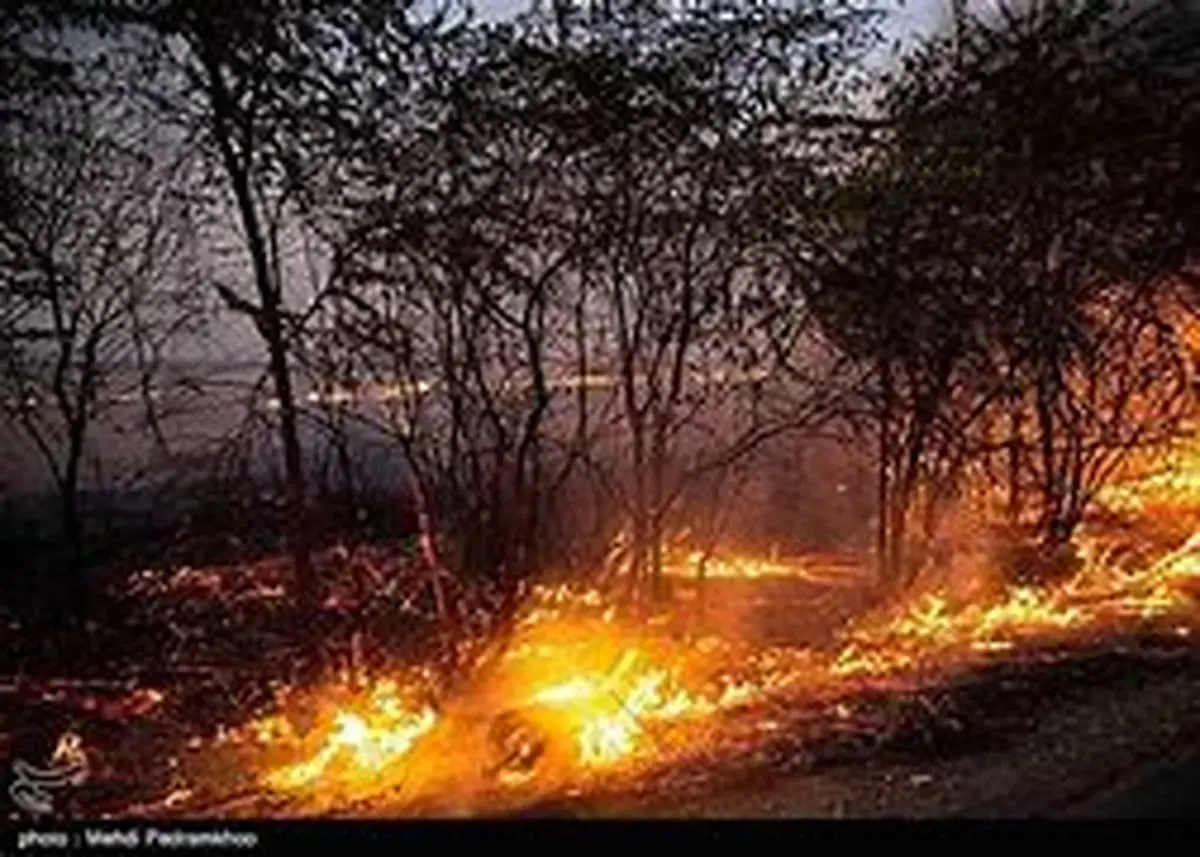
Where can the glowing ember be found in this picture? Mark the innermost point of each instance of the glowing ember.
(683, 562)
(737, 568)
(607, 714)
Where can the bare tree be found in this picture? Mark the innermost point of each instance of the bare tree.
(1004, 218)
(97, 279)
(236, 77)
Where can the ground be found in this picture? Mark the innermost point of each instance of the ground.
(1129, 746)
(1047, 729)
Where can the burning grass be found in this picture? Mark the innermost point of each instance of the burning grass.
(581, 696)
(933, 632)
(367, 738)
(1170, 484)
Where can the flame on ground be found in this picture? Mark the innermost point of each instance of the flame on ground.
(362, 743)
(611, 712)
(609, 716)
(614, 695)
(1171, 482)
(933, 632)
(697, 565)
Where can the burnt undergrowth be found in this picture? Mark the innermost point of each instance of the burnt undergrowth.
(981, 712)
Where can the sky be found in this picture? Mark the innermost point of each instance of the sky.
(909, 16)
(919, 12)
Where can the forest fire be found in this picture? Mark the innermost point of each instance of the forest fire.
(428, 411)
(582, 694)
(579, 690)
(610, 696)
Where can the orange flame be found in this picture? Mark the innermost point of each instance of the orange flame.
(363, 743)
(604, 688)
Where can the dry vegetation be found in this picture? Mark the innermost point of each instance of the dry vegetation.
(635, 419)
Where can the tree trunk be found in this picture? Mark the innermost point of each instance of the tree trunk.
(72, 528)
(531, 561)
(658, 466)
(307, 591)
(638, 553)
(883, 504)
(429, 552)
(346, 468)
(656, 589)
(1014, 465)
(268, 317)
(73, 569)
(641, 534)
(899, 573)
(1052, 496)
(883, 534)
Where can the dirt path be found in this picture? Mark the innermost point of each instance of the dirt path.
(1128, 747)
